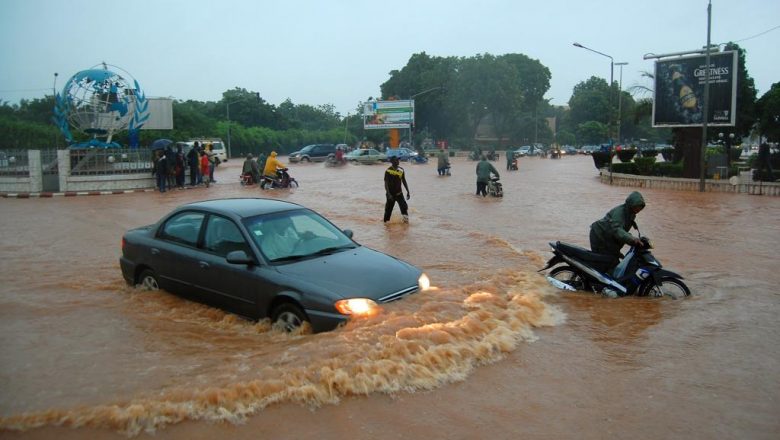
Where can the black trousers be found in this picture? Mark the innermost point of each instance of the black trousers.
(390, 204)
(482, 188)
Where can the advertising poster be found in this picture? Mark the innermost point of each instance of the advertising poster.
(388, 114)
(679, 91)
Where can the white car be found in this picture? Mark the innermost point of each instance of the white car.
(365, 155)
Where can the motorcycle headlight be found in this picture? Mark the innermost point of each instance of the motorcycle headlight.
(357, 307)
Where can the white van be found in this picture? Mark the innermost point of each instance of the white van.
(217, 147)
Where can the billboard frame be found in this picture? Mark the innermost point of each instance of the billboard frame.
(388, 114)
(721, 83)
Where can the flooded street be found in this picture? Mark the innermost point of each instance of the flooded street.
(492, 352)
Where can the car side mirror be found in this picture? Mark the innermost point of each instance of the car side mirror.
(239, 257)
(348, 232)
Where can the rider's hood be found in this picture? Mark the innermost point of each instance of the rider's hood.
(635, 199)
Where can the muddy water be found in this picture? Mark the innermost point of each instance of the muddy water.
(492, 351)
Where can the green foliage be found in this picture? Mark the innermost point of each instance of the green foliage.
(626, 154)
(768, 109)
(645, 166)
(591, 132)
(564, 137)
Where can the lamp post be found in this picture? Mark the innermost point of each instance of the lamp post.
(620, 100)
(728, 140)
(227, 111)
(611, 79)
(411, 112)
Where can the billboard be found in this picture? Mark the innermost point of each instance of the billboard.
(160, 114)
(679, 91)
(388, 114)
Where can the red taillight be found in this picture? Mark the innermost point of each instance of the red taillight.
(124, 243)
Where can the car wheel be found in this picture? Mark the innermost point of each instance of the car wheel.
(305, 159)
(288, 316)
(148, 280)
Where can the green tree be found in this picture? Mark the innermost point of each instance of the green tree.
(592, 132)
(768, 113)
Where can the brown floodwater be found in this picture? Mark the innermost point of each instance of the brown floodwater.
(491, 352)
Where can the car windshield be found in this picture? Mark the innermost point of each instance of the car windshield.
(295, 235)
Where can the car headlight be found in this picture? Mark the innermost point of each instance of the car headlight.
(424, 282)
(357, 307)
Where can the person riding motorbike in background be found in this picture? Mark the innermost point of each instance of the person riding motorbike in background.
(251, 168)
(608, 235)
(271, 165)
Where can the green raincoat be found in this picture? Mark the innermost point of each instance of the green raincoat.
(608, 235)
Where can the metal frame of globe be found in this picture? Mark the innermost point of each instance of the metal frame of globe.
(100, 102)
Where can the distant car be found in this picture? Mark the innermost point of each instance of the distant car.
(523, 151)
(266, 258)
(365, 155)
(313, 153)
(403, 154)
(569, 150)
(589, 149)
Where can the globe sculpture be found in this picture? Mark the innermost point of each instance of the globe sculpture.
(100, 102)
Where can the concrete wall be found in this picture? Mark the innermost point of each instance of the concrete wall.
(744, 184)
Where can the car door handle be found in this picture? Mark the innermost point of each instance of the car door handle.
(154, 251)
(203, 265)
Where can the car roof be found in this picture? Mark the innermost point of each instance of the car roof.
(242, 207)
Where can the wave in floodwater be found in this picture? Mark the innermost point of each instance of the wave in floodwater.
(232, 368)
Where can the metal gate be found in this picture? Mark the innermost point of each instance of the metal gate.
(50, 171)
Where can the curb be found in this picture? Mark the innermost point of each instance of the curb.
(29, 195)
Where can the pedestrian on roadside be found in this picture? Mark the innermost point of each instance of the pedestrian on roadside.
(193, 162)
(160, 170)
(205, 167)
(213, 161)
(179, 167)
(394, 178)
(484, 169)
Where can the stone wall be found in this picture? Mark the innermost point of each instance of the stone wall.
(743, 184)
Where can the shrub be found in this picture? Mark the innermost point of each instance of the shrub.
(625, 168)
(626, 154)
(600, 159)
(668, 169)
(645, 165)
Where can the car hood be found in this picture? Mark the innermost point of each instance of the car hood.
(359, 272)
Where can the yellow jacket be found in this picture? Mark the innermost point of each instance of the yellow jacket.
(271, 165)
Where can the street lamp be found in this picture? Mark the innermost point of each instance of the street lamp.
(227, 106)
(611, 79)
(620, 100)
(411, 113)
(728, 140)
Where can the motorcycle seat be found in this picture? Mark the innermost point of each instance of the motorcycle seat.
(583, 254)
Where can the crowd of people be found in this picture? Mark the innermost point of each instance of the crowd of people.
(170, 167)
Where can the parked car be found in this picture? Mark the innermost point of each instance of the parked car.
(403, 154)
(313, 153)
(569, 150)
(266, 258)
(589, 149)
(365, 155)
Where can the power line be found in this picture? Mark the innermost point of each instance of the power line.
(758, 35)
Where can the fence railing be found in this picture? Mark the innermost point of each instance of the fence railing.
(14, 163)
(106, 161)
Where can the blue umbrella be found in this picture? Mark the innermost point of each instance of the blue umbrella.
(161, 144)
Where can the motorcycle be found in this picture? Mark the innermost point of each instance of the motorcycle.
(281, 180)
(639, 273)
(494, 188)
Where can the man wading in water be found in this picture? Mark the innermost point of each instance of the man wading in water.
(394, 177)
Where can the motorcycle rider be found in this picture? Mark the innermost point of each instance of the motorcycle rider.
(609, 234)
(484, 169)
(271, 165)
(251, 167)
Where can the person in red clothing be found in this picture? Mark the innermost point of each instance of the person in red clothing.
(205, 166)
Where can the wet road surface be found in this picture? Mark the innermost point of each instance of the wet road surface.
(493, 352)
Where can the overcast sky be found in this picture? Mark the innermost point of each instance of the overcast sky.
(339, 52)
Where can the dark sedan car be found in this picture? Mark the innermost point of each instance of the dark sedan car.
(265, 258)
